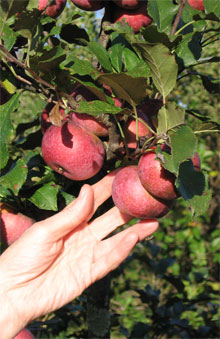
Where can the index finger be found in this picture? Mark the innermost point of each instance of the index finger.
(103, 189)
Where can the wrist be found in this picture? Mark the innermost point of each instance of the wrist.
(11, 321)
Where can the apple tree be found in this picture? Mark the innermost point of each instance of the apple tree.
(91, 86)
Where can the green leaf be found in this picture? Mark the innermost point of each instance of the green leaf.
(162, 12)
(97, 107)
(16, 177)
(126, 87)
(81, 67)
(140, 70)
(152, 35)
(193, 187)
(26, 23)
(101, 54)
(74, 34)
(170, 116)
(211, 86)
(7, 35)
(46, 197)
(212, 7)
(68, 197)
(162, 64)
(130, 59)
(115, 54)
(183, 144)
(11, 7)
(8, 81)
(190, 49)
(6, 127)
(48, 60)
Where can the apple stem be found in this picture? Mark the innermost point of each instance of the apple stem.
(122, 135)
(186, 25)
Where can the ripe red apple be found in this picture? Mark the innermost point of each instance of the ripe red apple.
(24, 334)
(130, 130)
(197, 4)
(53, 10)
(129, 4)
(72, 151)
(45, 116)
(136, 18)
(12, 224)
(131, 198)
(155, 179)
(85, 120)
(150, 108)
(91, 123)
(196, 162)
(89, 5)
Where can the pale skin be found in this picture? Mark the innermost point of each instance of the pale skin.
(56, 259)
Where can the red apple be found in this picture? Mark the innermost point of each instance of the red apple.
(91, 123)
(89, 5)
(131, 198)
(196, 162)
(150, 108)
(197, 4)
(155, 179)
(24, 334)
(53, 10)
(12, 224)
(85, 120)
(45, 118)
(130, 129)
(72, 151)
(136, 18)
(129, 4)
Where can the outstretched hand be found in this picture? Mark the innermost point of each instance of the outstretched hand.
(56, 259)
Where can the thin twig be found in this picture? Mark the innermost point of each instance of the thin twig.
(177, 19)
(12, 59)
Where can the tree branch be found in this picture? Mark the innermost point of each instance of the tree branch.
(177, 19)
(36, 77)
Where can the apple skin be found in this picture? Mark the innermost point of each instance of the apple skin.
(136, 18)
(197, 4)
(89, 5)
(72, 151)
(155, 179)
(196, 162)
(45, 118)
(150, 108)
(127, 4)
(131, 198)
(85, 120)
(12, 224)
(24, 334)
(90, 122)
(53, 10)
(130, 129)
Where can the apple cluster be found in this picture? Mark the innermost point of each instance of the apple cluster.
(134, 12)
(74, 149)
(146, 190)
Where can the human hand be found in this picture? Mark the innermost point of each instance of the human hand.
(56, 259)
